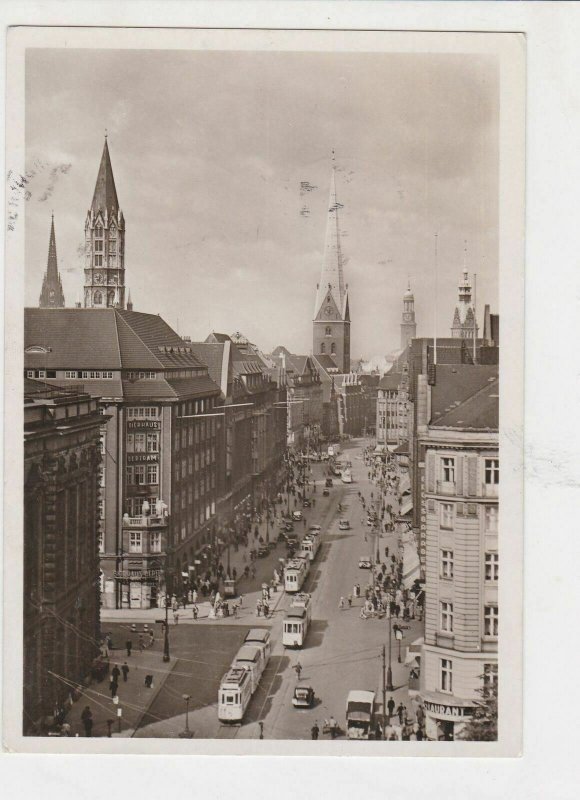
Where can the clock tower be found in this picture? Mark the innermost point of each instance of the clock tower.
(408, 324)
(105, 243)
(331, 324)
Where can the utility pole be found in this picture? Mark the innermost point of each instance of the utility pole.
(384, 692)
(389, 669)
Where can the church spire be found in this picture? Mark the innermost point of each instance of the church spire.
(105, 194)
(332, 275)
(51, 295)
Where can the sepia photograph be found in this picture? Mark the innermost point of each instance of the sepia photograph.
(265, 487)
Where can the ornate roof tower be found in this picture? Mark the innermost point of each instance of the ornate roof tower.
(105, 242)
(408, 323)
(51, 295)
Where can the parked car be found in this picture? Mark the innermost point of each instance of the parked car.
(263, 551)
(314, 528)
(306, 503)
(365, 562)
(297, 516)
(344, 525)
(328, 482)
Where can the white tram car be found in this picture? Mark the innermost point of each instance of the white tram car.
(234, 694)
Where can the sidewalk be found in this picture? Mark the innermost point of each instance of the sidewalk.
(134, 697)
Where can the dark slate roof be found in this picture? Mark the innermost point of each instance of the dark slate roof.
(219, 338)
(390, 381)
(402, 449)
(105, 195)
(35, 389)
(326, 361)
(107, 338)
(211, 354)
(465, 396)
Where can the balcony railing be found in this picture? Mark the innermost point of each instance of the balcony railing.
(446, 487)
(149, 521)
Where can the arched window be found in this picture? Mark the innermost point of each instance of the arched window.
(328, 331)
(333, 349)
(323, 348)
(99, 232)
(98, 298)
(111, 297)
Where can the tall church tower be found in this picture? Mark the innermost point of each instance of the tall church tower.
(52, 295)
(464, 322)
(408, 324)
(331, 324)
(105, 243)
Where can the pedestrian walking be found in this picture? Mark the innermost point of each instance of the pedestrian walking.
(333, 727)
(401, 713)
(298, 668)
(141, 646)
(391, 707)
(341, 603)
(114, 686)
(87, 720)
(115, 673)
(259, 608)
(266, 609)
(129, 646)
(314, 731)
(125, 671)
(349, 598)
(175, 617)
(195, 611)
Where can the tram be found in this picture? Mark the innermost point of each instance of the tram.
(260, 636)
(310, 545)
(234, 694)
(294, 574)
(253, 658)
(295, 627)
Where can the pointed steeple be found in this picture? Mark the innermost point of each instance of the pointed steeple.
(332, 275)
(51, 295)
(105, 195)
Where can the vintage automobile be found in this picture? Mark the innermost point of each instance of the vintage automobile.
(297, 516)
(263, 551)
(314, 528)
(306, 503)
(328, 482)
(344, 525)
(365, 562)
(325, 493)
(303, 696)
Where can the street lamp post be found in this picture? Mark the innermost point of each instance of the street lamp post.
(187, 733)
(389, 668)
(166, 633)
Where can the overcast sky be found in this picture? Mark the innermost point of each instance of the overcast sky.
(208, 152)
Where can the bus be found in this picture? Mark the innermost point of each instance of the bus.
(294, 574)
(295, 627)
(234, 694)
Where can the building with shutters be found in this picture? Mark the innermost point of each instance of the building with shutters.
(459, 437)
(61, 560)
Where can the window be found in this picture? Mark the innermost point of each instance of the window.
(152, 473)
(139, 442)
(446, 617)
(99, 232)
(323, 348)
(152, 442)
(447, 564)
(328, 331)
(489, 675)
(143, 412)
(101, 541)
(98, 245)
(130, 443)
(446, 675)
(148, 375)
(490, 621)
(491, 566)
(98, 298)
(446, 515)
(448, 465)
(491, 519)
(492, 471)
(98, 260)
(135, 542)
(333, 349)
(101, 510)
(112, 247)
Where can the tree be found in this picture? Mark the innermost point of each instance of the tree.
(482, 725)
